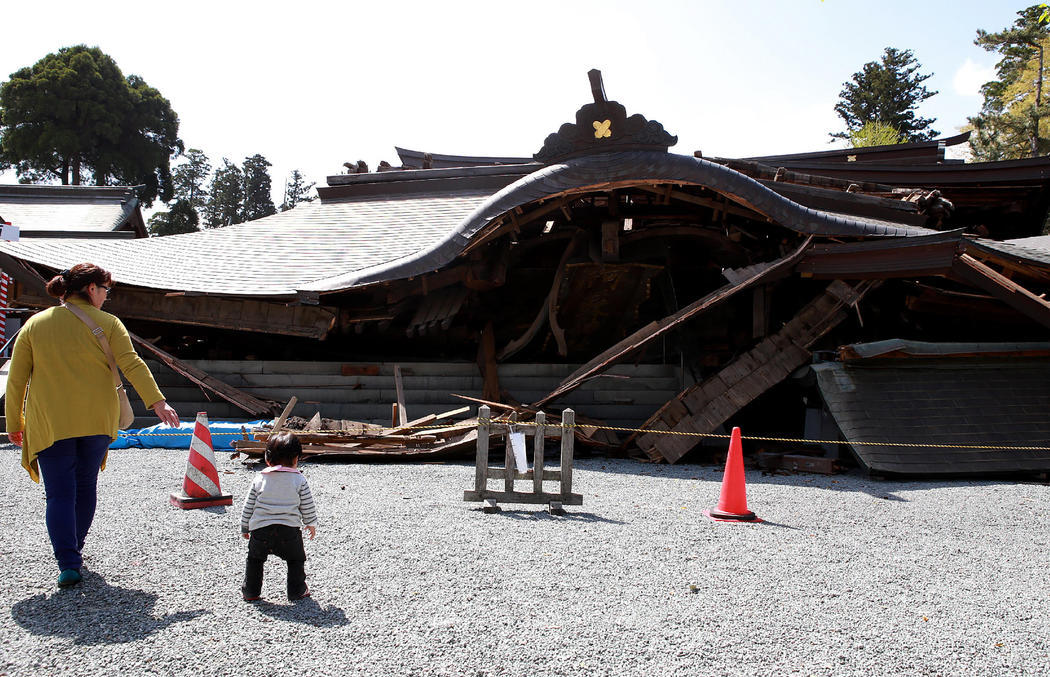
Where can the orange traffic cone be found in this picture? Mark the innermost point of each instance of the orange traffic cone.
(200, 487)
(732, 504)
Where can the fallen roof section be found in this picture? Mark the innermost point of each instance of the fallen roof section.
(891, 412)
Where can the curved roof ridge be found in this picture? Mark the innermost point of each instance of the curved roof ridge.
(648, 166)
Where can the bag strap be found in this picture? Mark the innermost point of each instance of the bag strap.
(103, 341)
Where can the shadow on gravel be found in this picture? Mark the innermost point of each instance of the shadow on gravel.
(305, 611)
(95, 612)
(543, 515)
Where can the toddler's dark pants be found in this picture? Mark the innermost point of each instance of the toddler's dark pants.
(287, 543)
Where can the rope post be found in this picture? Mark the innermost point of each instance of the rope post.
(481, 471)
(568, 436)
(537, 454)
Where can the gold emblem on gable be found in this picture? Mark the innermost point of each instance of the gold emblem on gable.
(601, 129)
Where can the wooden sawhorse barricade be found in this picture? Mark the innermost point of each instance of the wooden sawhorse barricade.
(539, 431)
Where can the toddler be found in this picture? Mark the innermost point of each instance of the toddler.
(279, 500)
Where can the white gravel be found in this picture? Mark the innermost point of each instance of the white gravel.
(847, 576)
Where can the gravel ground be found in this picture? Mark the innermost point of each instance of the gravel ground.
(847, 576)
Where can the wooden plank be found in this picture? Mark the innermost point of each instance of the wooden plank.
(429, 418)
(402, 413)
(279, 423)
(238, 398)
(549, 475)
(522, 497)
(651, 331)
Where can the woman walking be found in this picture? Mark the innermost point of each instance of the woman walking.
(62, 407)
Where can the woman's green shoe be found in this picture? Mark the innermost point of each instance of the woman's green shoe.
(68, 577)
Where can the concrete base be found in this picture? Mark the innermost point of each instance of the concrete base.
(180, 500)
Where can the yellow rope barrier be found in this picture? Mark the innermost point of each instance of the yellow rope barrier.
(756, 438)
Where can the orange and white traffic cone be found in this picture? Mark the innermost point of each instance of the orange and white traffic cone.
(200, 487)
(732, 503)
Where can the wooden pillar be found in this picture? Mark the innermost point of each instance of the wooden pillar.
(508, 454)
(568, 437)
(537, 454)
(481, 472)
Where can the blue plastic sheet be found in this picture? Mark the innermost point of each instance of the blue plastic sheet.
(223, 433)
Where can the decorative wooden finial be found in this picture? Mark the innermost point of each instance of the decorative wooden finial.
(597, 86)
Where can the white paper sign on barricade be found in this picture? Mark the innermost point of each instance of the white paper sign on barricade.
(517, 444)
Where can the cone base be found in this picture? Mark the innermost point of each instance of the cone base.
(722, 516)
(180, 500)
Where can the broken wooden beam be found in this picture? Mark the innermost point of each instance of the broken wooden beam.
(970, 270)
(654, 329)
(703, 407)
(238, 398)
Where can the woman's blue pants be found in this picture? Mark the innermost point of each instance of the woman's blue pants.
(69, 469)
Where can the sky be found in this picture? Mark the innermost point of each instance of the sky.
(313, 84)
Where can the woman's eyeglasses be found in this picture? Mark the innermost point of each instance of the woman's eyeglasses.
(108, 289)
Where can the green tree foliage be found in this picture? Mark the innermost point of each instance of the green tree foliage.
(296, 190)
(874, 134)
(887, 92)
(257, 186)
(225, 196)
(74, 117)
(1014, 121)
(182, 218)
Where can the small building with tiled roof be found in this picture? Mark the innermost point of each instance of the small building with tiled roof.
(72, 211)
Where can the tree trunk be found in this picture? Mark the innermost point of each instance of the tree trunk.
(76, 170)
(65, 171)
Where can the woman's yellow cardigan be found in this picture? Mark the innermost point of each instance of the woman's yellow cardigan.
(59, 384)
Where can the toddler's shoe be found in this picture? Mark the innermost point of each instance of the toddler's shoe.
(68, 577)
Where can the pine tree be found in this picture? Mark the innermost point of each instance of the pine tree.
(226, 196)
(182, 218)
(887, 92)
(296, 190)
(257, 186)
(190, 177)
(1014, 121)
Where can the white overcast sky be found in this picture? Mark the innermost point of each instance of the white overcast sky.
(311, 85)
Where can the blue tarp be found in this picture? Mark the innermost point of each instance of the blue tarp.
(165, 437)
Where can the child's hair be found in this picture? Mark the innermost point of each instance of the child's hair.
(283, 449)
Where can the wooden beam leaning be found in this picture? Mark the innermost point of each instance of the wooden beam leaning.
(652, 330)
(238, 398)
(972, 271)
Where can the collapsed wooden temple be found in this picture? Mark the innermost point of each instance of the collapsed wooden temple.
(557, 280)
